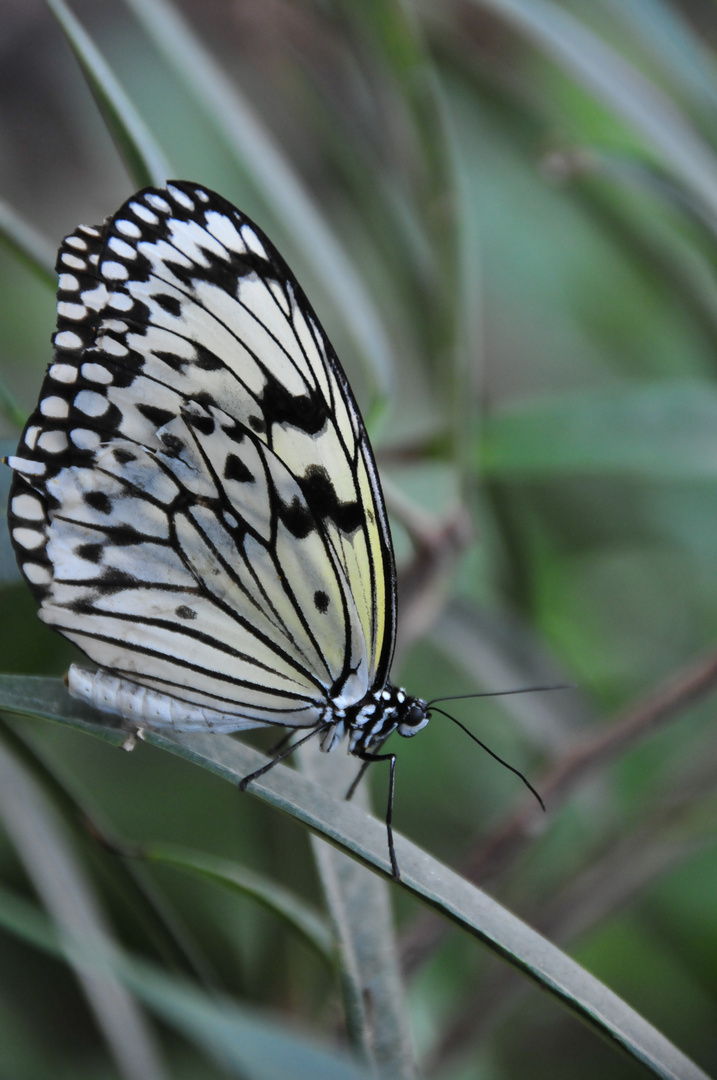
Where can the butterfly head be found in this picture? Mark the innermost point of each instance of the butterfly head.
(414, 716)
(381, 713)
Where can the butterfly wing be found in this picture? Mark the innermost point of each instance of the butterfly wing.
(195, 500)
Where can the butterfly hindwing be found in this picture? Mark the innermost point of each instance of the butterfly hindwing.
(195, 500)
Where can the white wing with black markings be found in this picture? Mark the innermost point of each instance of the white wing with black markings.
(195, 500)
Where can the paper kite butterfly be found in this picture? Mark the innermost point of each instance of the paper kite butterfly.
(195, 502)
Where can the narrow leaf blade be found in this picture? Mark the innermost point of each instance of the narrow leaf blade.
(364, 838)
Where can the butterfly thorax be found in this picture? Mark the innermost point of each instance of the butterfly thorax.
(370, 721)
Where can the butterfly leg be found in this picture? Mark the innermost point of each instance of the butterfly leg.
(367, 759)
(357, 780)
(277, 746)
(243, 784)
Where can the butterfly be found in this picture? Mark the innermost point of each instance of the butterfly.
(195, 501)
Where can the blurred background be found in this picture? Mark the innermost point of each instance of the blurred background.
(526, 193)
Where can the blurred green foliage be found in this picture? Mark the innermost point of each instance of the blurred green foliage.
(544, 274)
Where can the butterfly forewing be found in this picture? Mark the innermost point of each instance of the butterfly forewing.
(195, 501)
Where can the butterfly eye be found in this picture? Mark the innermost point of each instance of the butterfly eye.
(416, 718)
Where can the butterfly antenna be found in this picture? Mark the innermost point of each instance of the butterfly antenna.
(492, 752)
(502, 693)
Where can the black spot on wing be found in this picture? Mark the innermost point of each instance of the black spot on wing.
(81, 605)
(126, 535)
(233, 431)
(297, 518)
(172, 443)
(235, 469)
(204, 424)
(98, 501)
(172, 360)
(205, 359)
(321, 600)
(205, 399)
(321, 497)
(123, 456)
(185, 612)
(252, 263)
(308, 412)
(170, 304)
(90, 552)
(158, 417)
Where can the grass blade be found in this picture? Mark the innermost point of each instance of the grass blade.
(667, 429)
(28, 244)
(364, 838)
(275, 178)
(60, 880)
(280, 901)
(663, 29)
(621, 87)
(246, 1045)
(143, 157)
(360, 910)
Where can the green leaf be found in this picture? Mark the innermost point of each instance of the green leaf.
(9, 570)
(144, 159)
(613, 80)
(360, 910)
(242, 1042)
(364, 838)
(26, 921)
(246, 1044)
(662, 29)
(276, 180)
(127, 874)
(280, 901)
(667, 430)
(35, 250)
(48, 699)
(36, 829)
